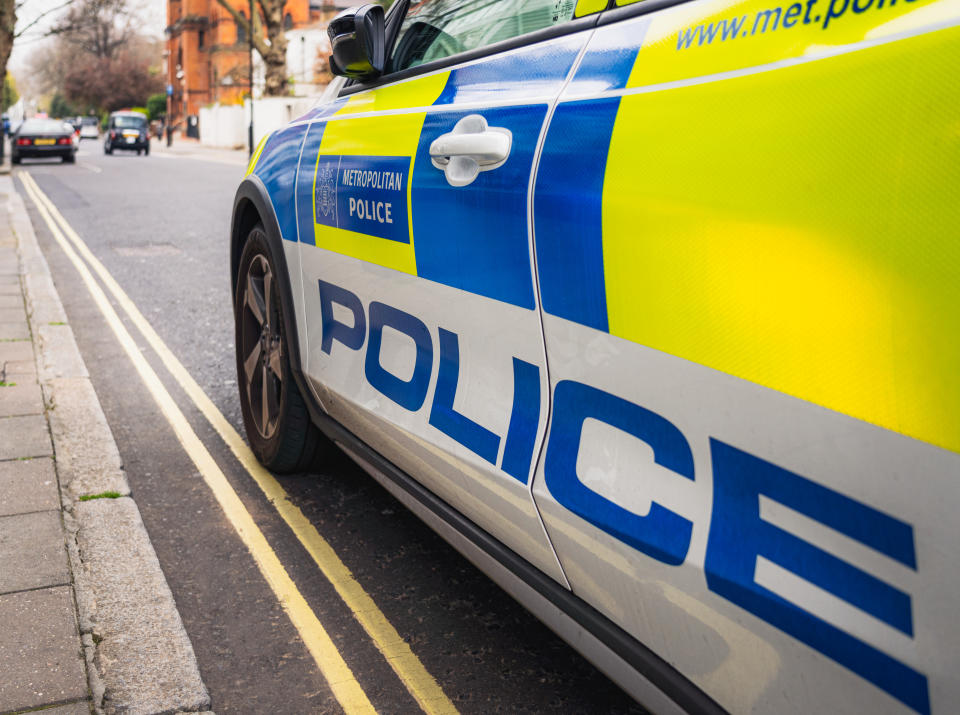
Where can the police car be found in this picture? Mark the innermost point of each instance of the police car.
(653, 311)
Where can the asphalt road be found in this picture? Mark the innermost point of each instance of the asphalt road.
(160, 226)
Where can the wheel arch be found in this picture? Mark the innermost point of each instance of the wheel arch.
(252, 206)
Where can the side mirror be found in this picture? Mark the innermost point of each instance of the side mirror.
(358, 40)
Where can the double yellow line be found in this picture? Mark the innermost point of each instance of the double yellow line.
(420, 684)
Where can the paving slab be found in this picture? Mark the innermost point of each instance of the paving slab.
(11, 300)
(28, 485)
(10, 287)
(20, 397)
(81, 708)
(15, 330)
(12, 315)
(24, 369)
(40, 655)
(32, 552)
(22, 437)
(16, 350)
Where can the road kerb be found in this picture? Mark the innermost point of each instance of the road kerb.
(140, 641)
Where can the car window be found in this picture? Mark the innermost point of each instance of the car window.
(42, 126)
(128, 122)
(89, 121)
(434, 29)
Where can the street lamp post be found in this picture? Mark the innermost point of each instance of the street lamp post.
(250, 129)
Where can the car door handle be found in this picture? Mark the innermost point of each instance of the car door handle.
(471, 147)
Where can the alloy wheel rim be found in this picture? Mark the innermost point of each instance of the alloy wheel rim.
(261, 346)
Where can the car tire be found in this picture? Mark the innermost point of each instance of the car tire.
(275, 415)
(146, 151)
(107, 149)
(139, 152)
(70, 159)
(14, 159)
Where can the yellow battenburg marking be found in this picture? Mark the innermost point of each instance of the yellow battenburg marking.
(588, 7)
(319, 644)
(256, 156)
(414, 93)
(798, 228)
(385, 135)
(398, 654)
(390, 135)
(702, 38)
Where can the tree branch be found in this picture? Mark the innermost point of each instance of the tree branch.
(259, 45)
(39, 17)
(235, 14)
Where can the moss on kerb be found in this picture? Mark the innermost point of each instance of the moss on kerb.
(101, 495)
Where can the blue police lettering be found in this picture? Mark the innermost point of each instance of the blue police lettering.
(350, 335)
(445, 418)
(410, 394)
(661, 534)
(737, 535)
(406, 393)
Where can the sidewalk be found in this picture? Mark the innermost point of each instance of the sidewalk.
(89, 623)
(193, 149)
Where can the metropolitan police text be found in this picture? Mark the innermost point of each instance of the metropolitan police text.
(379, 211)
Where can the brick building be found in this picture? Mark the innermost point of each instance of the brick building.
(207, 52)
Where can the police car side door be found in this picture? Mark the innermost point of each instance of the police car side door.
(751, 333)
(423, 329)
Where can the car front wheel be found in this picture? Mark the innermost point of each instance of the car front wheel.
(275, 416)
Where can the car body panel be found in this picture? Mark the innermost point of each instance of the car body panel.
(713, 296)
(761, 293)
(469, 420)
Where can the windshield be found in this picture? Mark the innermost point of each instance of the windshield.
(128, 122)
(43, 126)
(89, 121)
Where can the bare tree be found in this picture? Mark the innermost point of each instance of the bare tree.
(271, 45)
(8, 27)
(47, 65)
(100, 28)
(109, 83)
(8, 24)
(95, 57)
